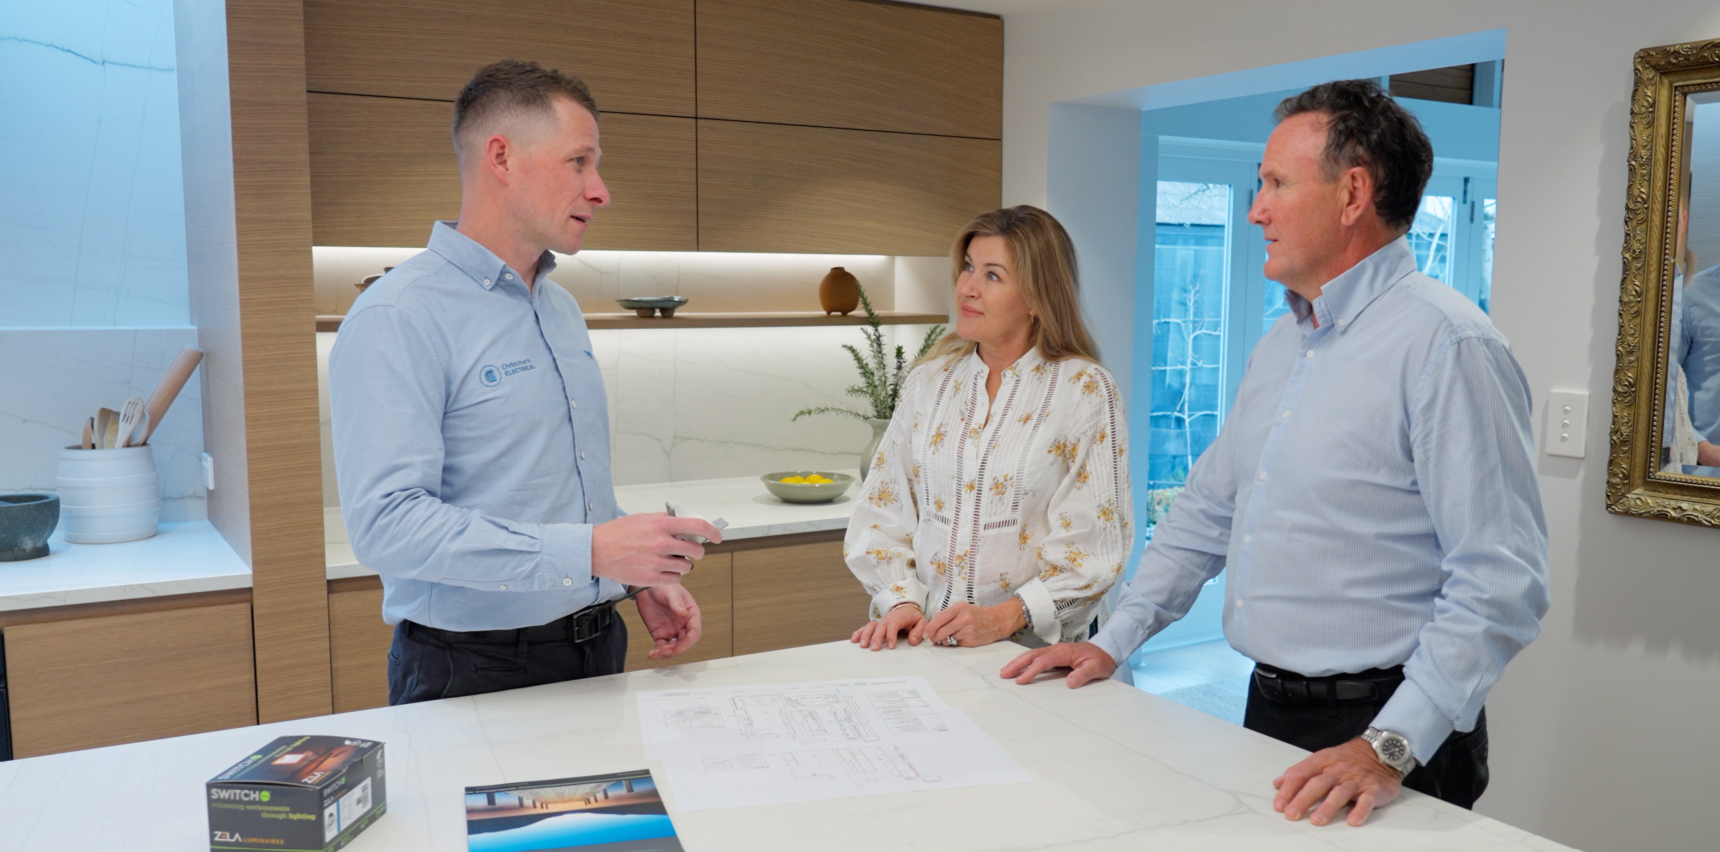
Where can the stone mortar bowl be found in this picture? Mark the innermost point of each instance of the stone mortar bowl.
(26, 521)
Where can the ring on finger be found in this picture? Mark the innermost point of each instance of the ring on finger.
(950, 640)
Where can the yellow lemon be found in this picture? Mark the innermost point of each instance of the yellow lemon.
(793, 480)
(816, 479)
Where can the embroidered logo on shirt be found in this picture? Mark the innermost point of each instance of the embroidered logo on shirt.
(490, 375)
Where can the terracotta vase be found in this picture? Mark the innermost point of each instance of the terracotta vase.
(839, 292)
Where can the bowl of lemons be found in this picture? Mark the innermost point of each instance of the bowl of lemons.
(807, 486)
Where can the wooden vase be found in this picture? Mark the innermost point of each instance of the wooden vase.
(839, 292)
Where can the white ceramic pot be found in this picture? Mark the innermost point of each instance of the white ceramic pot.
(108, 496)
(878, 428)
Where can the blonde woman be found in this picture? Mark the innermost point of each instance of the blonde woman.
(998, 503)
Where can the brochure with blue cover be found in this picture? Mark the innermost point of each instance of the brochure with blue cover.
(621, 812)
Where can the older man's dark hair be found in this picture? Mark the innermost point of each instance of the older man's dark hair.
(513, 86)
(1365, 127)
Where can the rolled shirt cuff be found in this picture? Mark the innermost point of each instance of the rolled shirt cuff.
(1413, 715)
(1039, 604)
(906, 590)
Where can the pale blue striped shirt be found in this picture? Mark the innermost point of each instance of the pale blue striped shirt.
(1373, 493)
(471, 441)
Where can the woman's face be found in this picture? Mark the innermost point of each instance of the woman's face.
(990, 308)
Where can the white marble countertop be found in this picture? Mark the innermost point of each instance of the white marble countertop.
(1112, 767)
(751, 511)
(179, 559)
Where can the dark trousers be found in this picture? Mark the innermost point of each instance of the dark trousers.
(425, 664)
(1457, 772)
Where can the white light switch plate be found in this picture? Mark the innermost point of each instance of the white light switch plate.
(1567, 423)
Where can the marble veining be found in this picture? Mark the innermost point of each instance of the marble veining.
(181, 559)
(1112, 767)
(55, 379)
(91, 139)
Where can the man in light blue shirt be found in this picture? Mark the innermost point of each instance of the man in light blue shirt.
(1373, 491)
(1696, 348)
(471, 432)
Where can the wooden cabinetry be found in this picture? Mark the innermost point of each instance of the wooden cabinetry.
(383, 169)
(637, 55)
(802, 594)
(823, 126)
(768, 187)
(104, 674)
(358, 643)
(841, 63)
(754, 595)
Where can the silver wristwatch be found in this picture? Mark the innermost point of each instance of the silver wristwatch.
(1392, 748)
(1026, 613)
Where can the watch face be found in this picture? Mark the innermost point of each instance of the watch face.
(1394, 749)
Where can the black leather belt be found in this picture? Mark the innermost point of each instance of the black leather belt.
(1282, 687)
(582, 626)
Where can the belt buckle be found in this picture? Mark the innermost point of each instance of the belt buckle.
(588, 624)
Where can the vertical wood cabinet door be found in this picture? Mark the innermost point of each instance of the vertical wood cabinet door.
(358, 641)
(841, 63)
(106, 680)
(383, 171)
(766, 187)
(637, 55)
(711, 583)
(786, 597)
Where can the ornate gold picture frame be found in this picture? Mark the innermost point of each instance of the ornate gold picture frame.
(1640, 478)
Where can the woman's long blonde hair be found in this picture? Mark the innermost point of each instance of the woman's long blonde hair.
(1045, 270)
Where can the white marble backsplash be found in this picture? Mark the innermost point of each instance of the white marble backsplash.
(713, 282)
(94, 234)
(54, 379)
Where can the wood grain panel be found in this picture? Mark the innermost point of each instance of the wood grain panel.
(382, 170)
(772, 188)
(636, 55)
(842, 63)
(712, 585)
(358, 641)
(276, 305)
(96, 682)
(786, 597)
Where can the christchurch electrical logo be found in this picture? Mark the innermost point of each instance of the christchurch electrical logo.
(489, 375)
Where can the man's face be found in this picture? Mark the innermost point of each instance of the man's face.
(1297, 208)
(555, 191)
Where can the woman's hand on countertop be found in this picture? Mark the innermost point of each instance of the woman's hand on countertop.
(879, 634)
(973, 625)
(672, 617)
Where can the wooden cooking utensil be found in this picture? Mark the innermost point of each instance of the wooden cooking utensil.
(171, 384)
(107, 428)
(128, 420)
(89, 434)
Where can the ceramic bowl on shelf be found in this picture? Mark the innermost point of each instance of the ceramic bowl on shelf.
(807, 492)
(645, 306)
(26, 521)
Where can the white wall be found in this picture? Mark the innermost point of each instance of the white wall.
(1604, 731)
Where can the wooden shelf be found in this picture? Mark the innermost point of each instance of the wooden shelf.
(722, 320)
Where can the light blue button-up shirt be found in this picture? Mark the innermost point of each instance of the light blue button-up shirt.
(471, 441)
(1696, 347)
(1373, 494)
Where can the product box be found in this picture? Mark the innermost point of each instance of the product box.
(299, 794)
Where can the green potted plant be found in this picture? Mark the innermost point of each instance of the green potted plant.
(880, 382)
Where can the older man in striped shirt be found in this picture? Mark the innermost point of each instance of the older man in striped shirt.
(1373, 491)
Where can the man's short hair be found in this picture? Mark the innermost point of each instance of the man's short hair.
(1365, 127)
(512, 86)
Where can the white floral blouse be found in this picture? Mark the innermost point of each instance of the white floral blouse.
(1028, 498)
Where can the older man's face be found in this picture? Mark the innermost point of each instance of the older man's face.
(558, 189)
(1297, 208)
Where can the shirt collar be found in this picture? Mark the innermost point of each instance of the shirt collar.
(1353, 290)
(470, 256)
(1032, 358)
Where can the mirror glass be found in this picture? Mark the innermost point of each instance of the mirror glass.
(1691, 435)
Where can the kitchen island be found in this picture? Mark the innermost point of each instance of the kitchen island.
(1112, 768)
